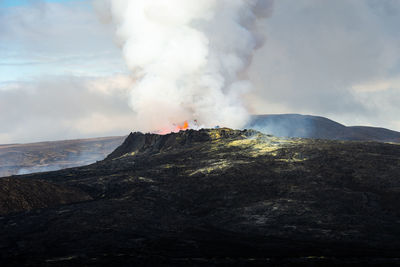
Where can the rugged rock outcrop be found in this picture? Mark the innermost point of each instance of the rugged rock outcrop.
(152, 143)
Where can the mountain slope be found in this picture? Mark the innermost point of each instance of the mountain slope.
(24, 194)
(306, 126)
(219, 197)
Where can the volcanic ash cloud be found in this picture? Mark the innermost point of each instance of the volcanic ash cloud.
(189, 57)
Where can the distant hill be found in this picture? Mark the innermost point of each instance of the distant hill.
(306, 126)
(51, 156)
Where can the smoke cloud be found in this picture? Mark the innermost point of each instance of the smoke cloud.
(189, 57)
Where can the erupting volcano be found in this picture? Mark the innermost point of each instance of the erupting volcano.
(200, 181)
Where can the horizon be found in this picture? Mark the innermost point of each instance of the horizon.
(127, 134)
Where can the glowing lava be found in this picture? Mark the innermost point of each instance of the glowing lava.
(183, 127)
(175, 128)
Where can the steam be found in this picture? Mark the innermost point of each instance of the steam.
(189, 57)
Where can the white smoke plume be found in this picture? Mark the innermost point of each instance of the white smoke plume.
(189, 57)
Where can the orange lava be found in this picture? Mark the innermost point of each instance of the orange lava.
(178, 127)
(183, 127)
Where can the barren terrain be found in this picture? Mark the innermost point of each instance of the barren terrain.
(217, 197)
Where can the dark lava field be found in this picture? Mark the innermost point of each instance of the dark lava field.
(216, 197)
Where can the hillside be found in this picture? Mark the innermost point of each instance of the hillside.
(51, 156)
(306, 126)
(24, 194)
(218, 197)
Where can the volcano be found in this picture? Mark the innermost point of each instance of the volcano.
(212, 197)
(51, 156)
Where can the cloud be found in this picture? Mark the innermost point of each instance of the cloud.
(377, 85)
(317, 52)
(65, 107)
(56, 38)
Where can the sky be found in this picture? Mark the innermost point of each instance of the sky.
(63, 76)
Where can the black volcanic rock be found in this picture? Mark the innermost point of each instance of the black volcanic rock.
(219, 197)
(147, 143)
(22, 194)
